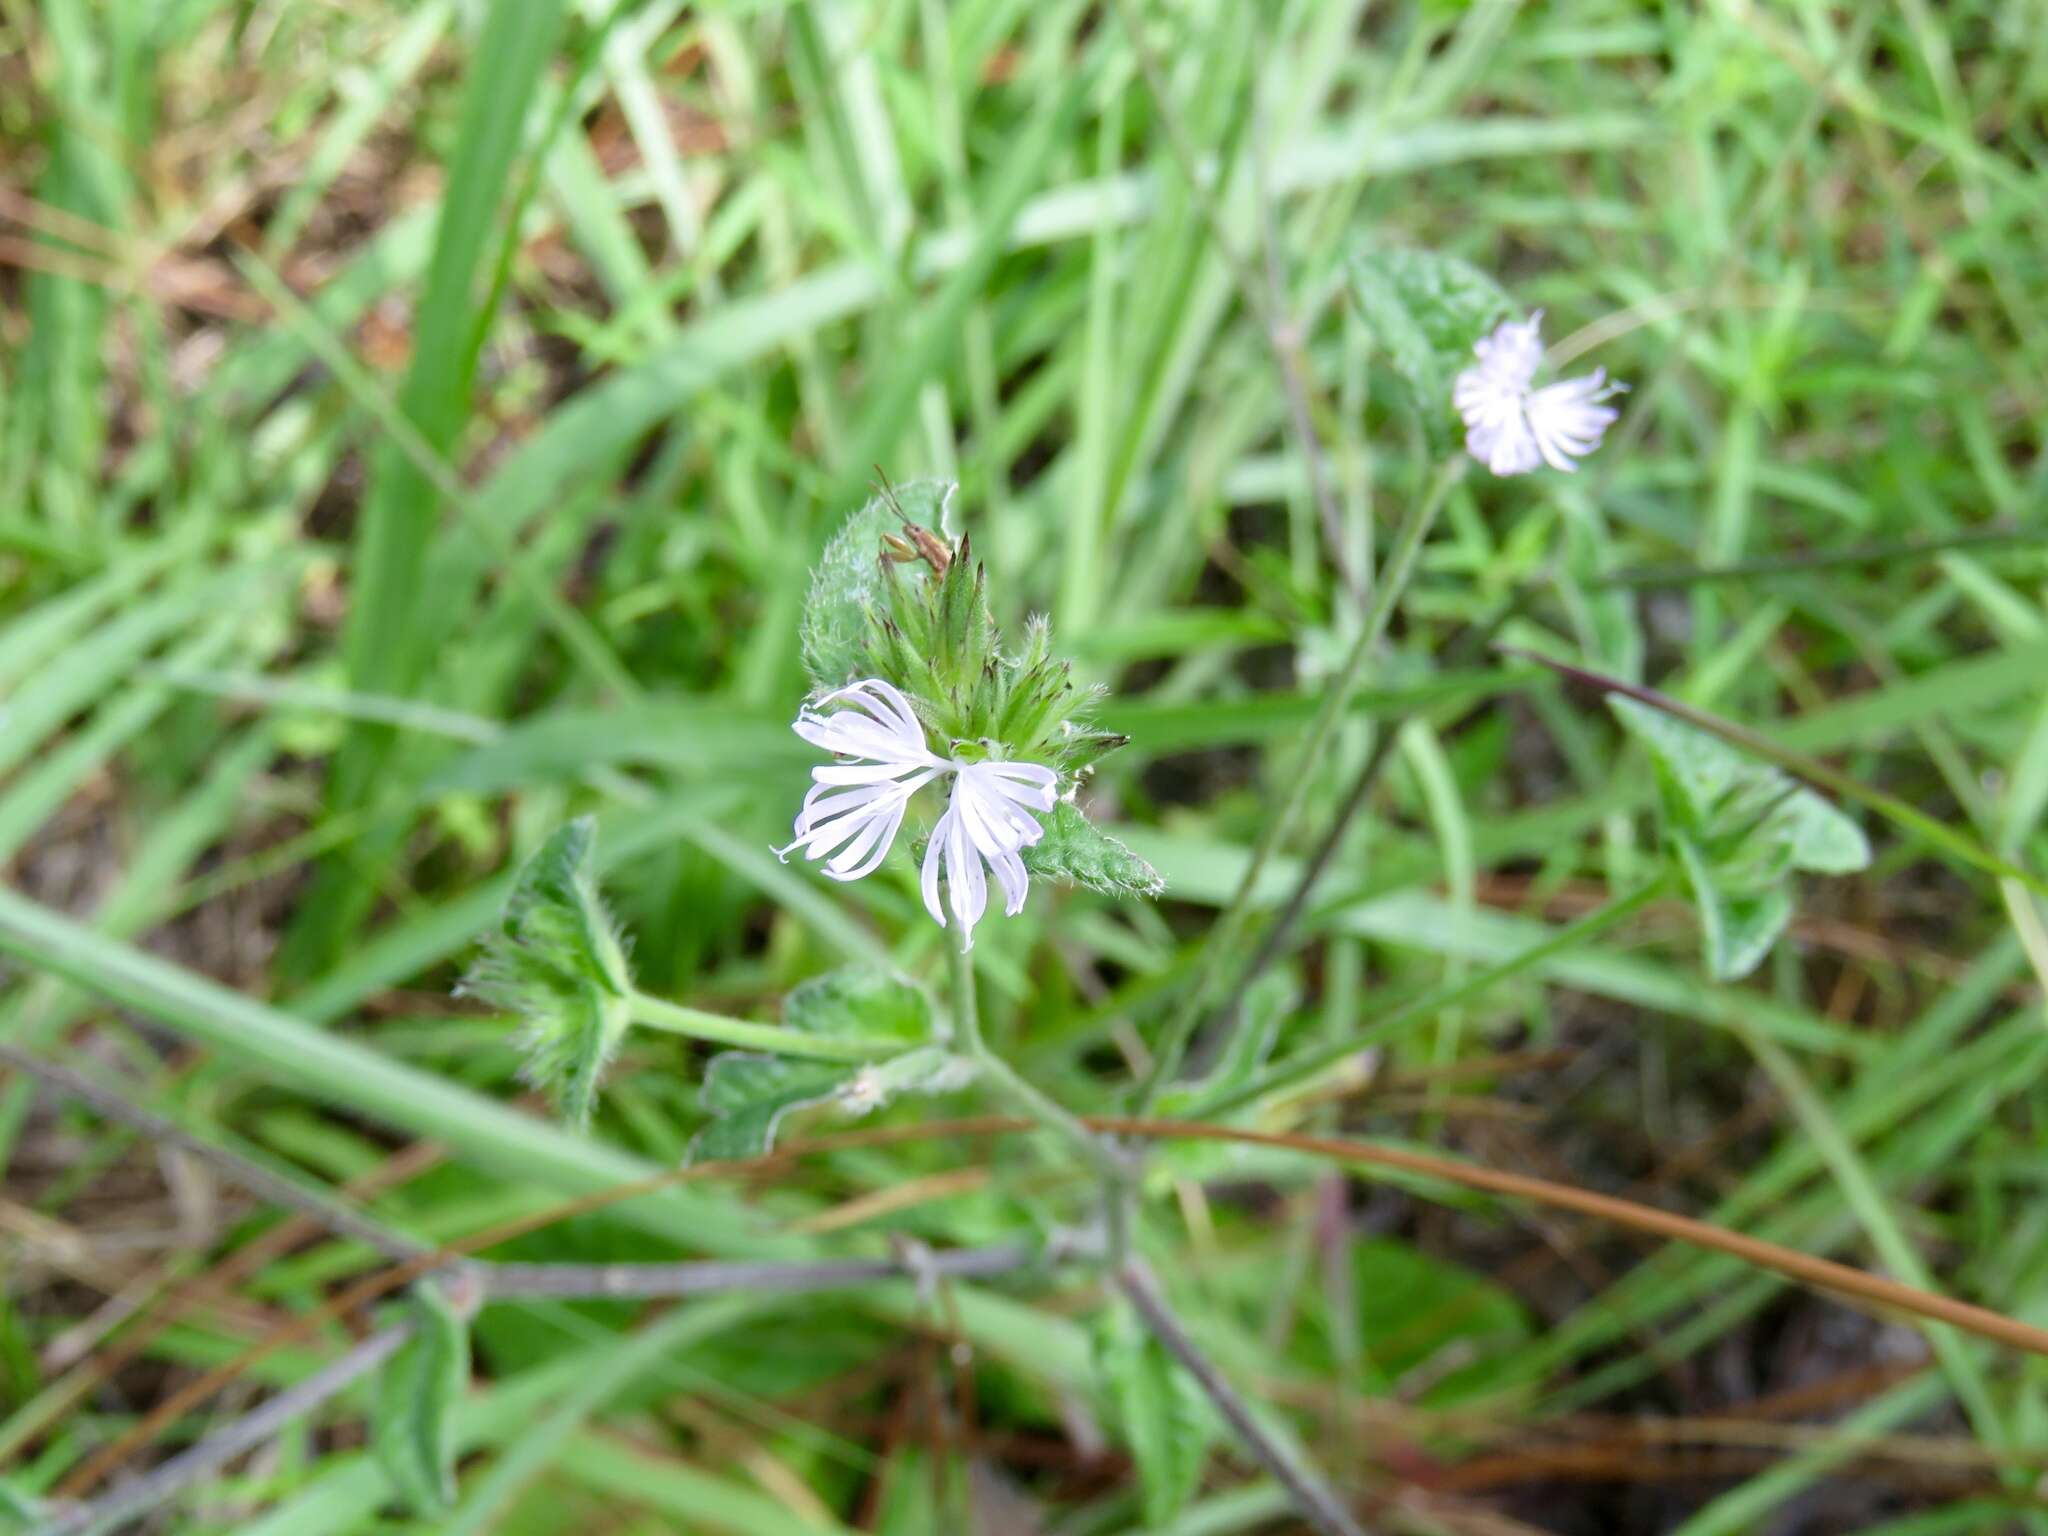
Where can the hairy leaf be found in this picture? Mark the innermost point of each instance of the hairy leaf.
(1165, 1419)
(1075, 849)
(557, 961)
(864, 1001)
(1737, 829)
(1426, 310)
(412, 1425)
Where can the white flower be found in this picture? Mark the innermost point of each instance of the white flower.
(988, 821)
(852, 813)
(1511, 428)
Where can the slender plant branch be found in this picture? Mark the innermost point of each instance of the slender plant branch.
(1314, 1498)
(508, 1282)
(1999, 536)
(1223, 940)
(1280, 932)
(251, 1175)
(1025, 1098)
(1305, 1064)
(676, 1019)
(157, 1486)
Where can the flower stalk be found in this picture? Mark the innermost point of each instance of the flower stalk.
(1023, 1097)
(1230, 923)
(716, 1029)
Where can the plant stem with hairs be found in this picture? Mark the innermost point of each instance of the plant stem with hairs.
(717, 1029)
(1222, 944)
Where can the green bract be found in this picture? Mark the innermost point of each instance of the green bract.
(1737, 829)
(556, 961)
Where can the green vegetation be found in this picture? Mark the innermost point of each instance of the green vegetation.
(421, 428)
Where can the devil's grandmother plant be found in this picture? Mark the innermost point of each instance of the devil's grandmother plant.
(915, 698)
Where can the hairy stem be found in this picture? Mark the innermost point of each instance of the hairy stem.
(157, 1486)
(676, 1019)
(1307, 1063)
(1023, 1097)
(1223, 940)
(1314, 1498)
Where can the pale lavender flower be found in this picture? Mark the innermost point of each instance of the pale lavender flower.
(851, 814)
(989, 822)
(1511, 428)
(853, 811)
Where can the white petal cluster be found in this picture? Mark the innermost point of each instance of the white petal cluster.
(1511, 428)
(853, 810)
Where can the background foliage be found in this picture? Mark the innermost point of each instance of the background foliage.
(417, 424)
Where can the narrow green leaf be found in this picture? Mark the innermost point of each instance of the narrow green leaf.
(1164, 1417)
(412, 1425)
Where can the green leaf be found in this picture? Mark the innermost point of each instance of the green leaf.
(1418, 1313)
(556, 961)
(1737, 828)
(1739, 809)
(1076, 850)
(1426, 311)
(748, 1095)
(412, 1425)
(1738, 929)
(1161, 1411)
(863, 1001)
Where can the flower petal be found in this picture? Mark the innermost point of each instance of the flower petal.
(928, 877)
(1012, 877)
(966, 885)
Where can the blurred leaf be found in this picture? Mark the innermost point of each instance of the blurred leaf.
(20, 1510)
(863, 1001)
(1074, 849)
(1267, 1002)
(1426, 311)
(1420, 1313)
(1737, 828)
(747, 1096)
(1161, 1411)
(412, 1424)
(557, 962)
(1739, 930)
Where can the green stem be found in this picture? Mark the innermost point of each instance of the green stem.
(1027, 1100)
(1221, 946)
(1298, 1068)
(675, 1019)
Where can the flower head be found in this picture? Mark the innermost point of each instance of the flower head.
(854, 809)
(1511, 428)
(850, 816)
(989, 822)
